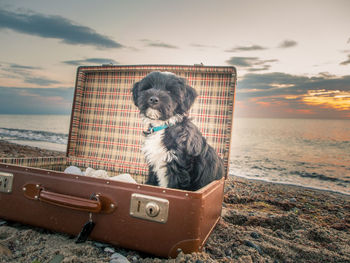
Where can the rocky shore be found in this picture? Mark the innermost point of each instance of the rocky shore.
(261, 222)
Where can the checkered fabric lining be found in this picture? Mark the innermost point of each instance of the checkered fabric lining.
(106, 131)
(50, 163)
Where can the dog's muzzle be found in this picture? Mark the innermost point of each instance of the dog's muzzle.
(153, 114)
(154, 100)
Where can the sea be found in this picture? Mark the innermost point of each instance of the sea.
(305, 152)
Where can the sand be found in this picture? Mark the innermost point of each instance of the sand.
(261, 222)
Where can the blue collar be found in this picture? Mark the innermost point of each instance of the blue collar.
(155, 129)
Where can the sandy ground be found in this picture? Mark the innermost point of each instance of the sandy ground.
(261, 222)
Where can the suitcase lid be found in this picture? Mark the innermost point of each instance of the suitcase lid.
(106, 129)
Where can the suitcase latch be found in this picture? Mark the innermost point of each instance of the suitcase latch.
(6, 181)
(149, 208)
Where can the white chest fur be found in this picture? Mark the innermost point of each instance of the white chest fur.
(157, 155)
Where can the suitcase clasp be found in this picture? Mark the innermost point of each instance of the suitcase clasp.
(6, 180)
(149, 207)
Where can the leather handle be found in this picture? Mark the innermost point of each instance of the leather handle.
(72, 202)
(102, 204)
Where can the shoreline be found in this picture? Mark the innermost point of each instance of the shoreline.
(291, 184)
(261, 222)
(49, 146)
(15, 150)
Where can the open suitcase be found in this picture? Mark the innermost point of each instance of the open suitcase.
(106, 133)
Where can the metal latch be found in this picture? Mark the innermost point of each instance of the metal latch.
(6, 181)
(149, 208)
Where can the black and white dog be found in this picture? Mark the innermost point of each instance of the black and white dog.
(177, 153)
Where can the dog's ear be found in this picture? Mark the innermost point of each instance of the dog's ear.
(189, 98)
(135, 92)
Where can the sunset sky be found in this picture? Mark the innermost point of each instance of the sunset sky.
(292, 57)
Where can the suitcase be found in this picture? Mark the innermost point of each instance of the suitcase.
(106, 132)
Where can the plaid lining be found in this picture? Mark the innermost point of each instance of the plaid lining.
(50, 163)
(106, 129)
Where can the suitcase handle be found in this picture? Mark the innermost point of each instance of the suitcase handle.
(102, 204)
(72, 202)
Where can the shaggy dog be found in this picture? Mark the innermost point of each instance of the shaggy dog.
(177, 153)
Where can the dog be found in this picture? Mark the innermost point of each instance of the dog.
(177, 154)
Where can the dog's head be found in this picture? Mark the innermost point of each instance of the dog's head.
(159, 96)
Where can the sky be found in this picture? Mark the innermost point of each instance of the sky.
(292, 57)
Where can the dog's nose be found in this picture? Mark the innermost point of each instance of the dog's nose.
(153, 100)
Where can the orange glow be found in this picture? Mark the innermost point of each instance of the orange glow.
(300, 111)
(264, 104)
(291, 97)
(338, 100)
(303, 111)
(240, 104)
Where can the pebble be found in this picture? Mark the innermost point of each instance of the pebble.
(100, 245)
(295, 210)
(279, 234)
(3, 222)
(293, 200)
(109, 250)
(245, 259)
(254, 235)
(118, 258)
(224, 212)
(5, 251)
(251, 244)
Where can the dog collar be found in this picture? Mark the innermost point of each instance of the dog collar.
(155, 129)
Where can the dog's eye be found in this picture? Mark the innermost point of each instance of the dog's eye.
(146, 87)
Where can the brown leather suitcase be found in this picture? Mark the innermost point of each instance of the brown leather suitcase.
(106, 133)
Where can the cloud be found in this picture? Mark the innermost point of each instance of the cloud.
(90, 61)
(25, 73)
(287, 44)
(291, 84)
(152, 43)
(252, 63)
(17, 66)
(346, 62)
(327, 75)
(246, 48)
(242, 61)
(41, 81)
(284, 95)
(56, 27)
(265, 67)
(202, 46)
(22, 100)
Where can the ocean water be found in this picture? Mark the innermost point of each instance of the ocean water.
(43, 131)
(311, 153)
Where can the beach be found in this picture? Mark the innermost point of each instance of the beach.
(261, 222)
